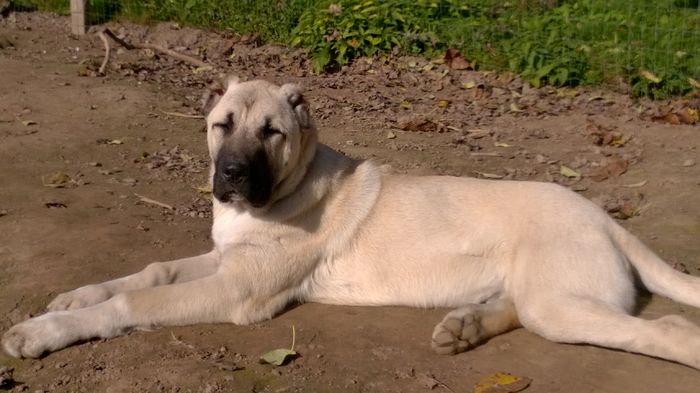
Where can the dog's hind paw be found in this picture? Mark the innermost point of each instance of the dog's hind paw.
(459, 331)
(79, 298)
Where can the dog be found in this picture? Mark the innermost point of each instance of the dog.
(296, 221)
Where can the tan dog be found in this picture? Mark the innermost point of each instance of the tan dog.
(294, 220)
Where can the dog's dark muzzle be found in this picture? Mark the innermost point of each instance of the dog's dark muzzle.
(237, 179)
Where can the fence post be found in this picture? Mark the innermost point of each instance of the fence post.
(78, 16)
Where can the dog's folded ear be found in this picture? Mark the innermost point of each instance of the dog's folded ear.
(295, 98)
(215, 91)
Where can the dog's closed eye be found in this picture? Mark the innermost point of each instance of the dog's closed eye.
(226, 126)
(268, 131)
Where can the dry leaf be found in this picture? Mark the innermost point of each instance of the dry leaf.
(568, 172)
(688, 116)
(501, 144)
(468, 84)
(670, 118)
(650, 76)
(427, 381)
(405, 104)
(203, 189)
(28, 123)
(502, 383)
(694, 83)
(416, 123)
(514, 108)
(443, 103)
(455, 60)
(55, 205)
(601, 135)
(610, 167)
(57, 180)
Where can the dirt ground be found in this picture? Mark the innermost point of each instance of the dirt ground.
(79, 149)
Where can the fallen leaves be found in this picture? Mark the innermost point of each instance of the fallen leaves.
(502, 383)
(686, 115)
(604, 136)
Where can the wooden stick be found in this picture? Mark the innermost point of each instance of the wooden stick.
(185, 115)
(154, 202)
(101, 34)
(158, 48)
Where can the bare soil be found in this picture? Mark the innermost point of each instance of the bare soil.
(78, 150)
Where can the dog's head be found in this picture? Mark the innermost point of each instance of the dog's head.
(260, 137)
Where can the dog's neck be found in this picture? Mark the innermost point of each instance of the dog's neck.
(324, 171)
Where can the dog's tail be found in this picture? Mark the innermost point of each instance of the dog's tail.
(656, 275)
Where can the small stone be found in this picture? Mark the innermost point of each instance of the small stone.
(689, 162)
(390, 135)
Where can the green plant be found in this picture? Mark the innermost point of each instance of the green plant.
(335, 33)
(557, 42)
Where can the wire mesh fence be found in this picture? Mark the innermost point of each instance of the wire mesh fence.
(651, 47)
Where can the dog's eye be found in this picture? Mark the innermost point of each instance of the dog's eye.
(226, 126)
(268, 131)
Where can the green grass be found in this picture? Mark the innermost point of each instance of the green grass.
(653, 46)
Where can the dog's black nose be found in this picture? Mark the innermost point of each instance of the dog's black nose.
(234, 171)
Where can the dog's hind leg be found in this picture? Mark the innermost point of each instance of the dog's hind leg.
(580, 320)
(155, 274)
(466, 327)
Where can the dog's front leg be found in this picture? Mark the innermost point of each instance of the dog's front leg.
(222, 297)
(155, 274)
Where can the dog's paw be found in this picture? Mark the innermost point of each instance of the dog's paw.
(79, 298)
(36, 336)
(457, 333)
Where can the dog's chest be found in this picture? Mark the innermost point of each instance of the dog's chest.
(230, 227)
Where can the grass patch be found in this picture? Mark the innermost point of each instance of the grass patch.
(653, 46)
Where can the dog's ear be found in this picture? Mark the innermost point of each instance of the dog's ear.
(295, 98)
(216, 91)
